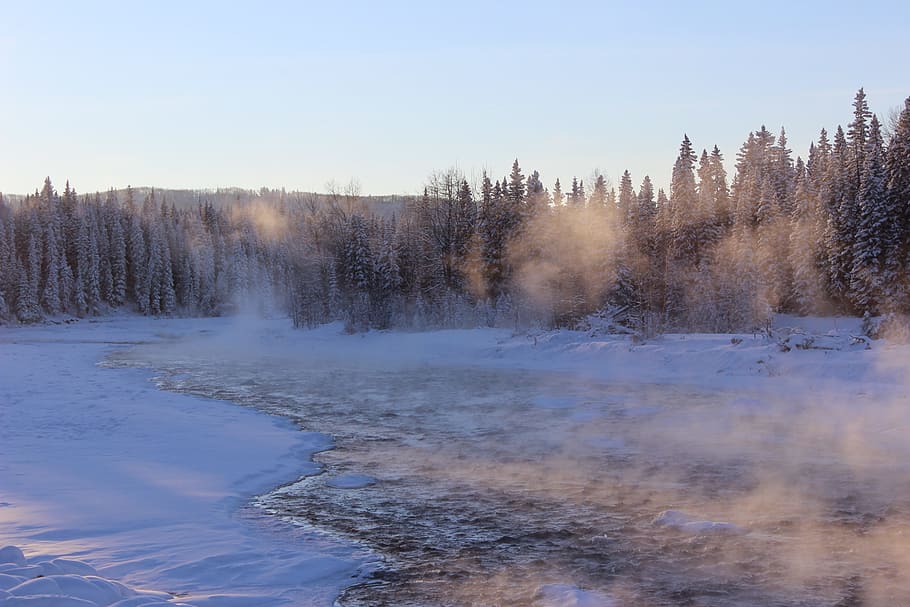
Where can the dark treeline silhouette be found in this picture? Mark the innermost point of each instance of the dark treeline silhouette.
(828, 234)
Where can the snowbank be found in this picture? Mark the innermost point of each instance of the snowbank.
(147, 487)
(65, 583)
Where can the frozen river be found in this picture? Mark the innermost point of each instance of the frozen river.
(480, 486)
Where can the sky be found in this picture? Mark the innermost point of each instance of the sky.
(208, 94)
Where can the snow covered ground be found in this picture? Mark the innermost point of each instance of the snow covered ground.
(152, 488)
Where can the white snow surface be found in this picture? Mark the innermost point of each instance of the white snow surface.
(65, 583)
(149, 487)
(102, 473)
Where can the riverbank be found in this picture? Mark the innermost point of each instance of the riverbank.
(148, 487)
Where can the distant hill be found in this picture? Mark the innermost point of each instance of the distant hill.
(384, 205)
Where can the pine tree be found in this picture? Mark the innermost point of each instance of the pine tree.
(486, 194)
(466, 216)
(897, 250)
(517, 189)
(867, 281)
(50, 294)
(204, 275)
(166, 278)
(647, 208)
(817, 164)
(626, 198)
(558, 198)
(93, 289)
(857, 133)
(841, 224)
(683, 206)
(644, 224)
(576, 198)
(720, 189)
(599, 193)
(4, 261)
(387, 277)
(82, 271)
(117, 251)
(806, 245)
(359, 258)
(782, 174)
(536, 195)
(27, 309)
(136, 254)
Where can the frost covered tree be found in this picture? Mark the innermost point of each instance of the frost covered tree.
(806, 245)
(517, 188)
(867, 277)
(27, 308)
(558, 198)
(576, 197)
(857, 134)
(897, 173)
(683, 213)
(841, 224)
(599, 193)
(536, 200)
(626, 202)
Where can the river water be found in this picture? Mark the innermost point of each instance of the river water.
(500, 487)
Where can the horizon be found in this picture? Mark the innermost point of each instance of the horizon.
(297, 97)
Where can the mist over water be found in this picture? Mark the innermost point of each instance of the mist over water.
(484, 486)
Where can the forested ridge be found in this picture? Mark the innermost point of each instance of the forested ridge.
(828, 233)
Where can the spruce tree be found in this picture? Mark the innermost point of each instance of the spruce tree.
(782, 174)
(517, 189)
(867, 279)
(118, 254)
(626, 198)
(683, 206)
(720, 189)
(80, 296)
(897, 250)
(841, 224)
(558, 198)
(27, 309)
(647, 208)
(599, 193)
(536, 201)
(857, 132)
(4, 263)
(806, 245)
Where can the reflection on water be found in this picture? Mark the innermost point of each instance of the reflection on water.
(480, 486)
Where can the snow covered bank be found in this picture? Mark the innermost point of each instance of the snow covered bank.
(797, 349)
(66, 583)
(149, 487)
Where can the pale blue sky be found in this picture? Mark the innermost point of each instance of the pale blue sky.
(295, 94)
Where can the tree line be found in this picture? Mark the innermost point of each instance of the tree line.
(826, 234)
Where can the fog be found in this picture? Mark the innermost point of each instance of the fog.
(492, 484)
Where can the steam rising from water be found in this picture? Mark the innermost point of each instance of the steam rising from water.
(494, 484)
(573, 253)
